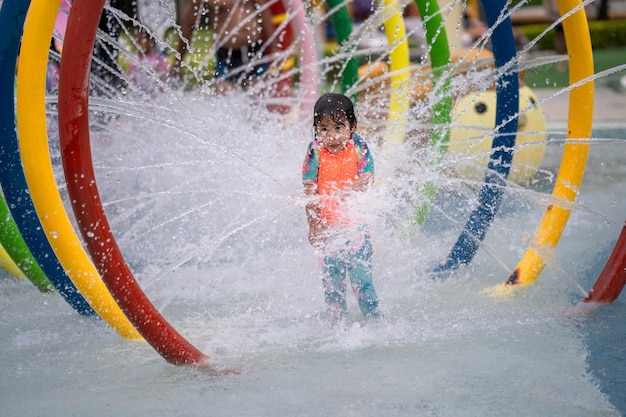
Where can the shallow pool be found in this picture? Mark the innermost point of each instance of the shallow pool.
(206, 204)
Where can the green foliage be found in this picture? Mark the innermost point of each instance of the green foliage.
(608, 33)
(604, 34)
(554, 76)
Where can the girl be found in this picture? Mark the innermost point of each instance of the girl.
(337, 164)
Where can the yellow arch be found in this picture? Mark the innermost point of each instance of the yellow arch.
(33, 141)
(574, 157)
(8, 265)
(400, 74)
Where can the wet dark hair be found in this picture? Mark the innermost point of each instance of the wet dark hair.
(336, 106)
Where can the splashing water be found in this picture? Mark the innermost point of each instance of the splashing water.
(204, 196)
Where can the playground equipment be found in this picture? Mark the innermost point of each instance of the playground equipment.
(99, 272)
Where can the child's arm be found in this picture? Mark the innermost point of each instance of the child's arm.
(310, 169)
(365, 166)
(313, 217)
(362, 182)
(316, 230)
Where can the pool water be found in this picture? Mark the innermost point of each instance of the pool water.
(205, 200)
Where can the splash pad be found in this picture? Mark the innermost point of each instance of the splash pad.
(223, 260)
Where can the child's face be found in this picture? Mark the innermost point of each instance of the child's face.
(333, 135)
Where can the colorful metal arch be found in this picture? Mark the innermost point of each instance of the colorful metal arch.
(6, 263)
(574, 159)
(73, 108)
(507, 99)
(86, 202)
(12, 179)
(15, 256)
(343, 29)
(439, 53)
(400, 76)
(399, 64)
(612, 279)
(33, 143)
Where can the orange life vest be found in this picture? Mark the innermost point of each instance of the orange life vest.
(336, 170)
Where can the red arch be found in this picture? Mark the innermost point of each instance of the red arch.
(611, 280)
(86, 203)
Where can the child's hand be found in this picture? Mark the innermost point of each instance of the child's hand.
(316, 231)
(316, 235)
(310, 189)
(362, 182)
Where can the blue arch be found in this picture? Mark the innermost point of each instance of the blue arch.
(12, 179)
(507, 108)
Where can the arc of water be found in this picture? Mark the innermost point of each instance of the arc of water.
(575, 153)
(33, 143)
(12, 178)
(507, 107)
(86, 202)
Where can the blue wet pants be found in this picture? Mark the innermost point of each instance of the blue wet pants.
(356, 264)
